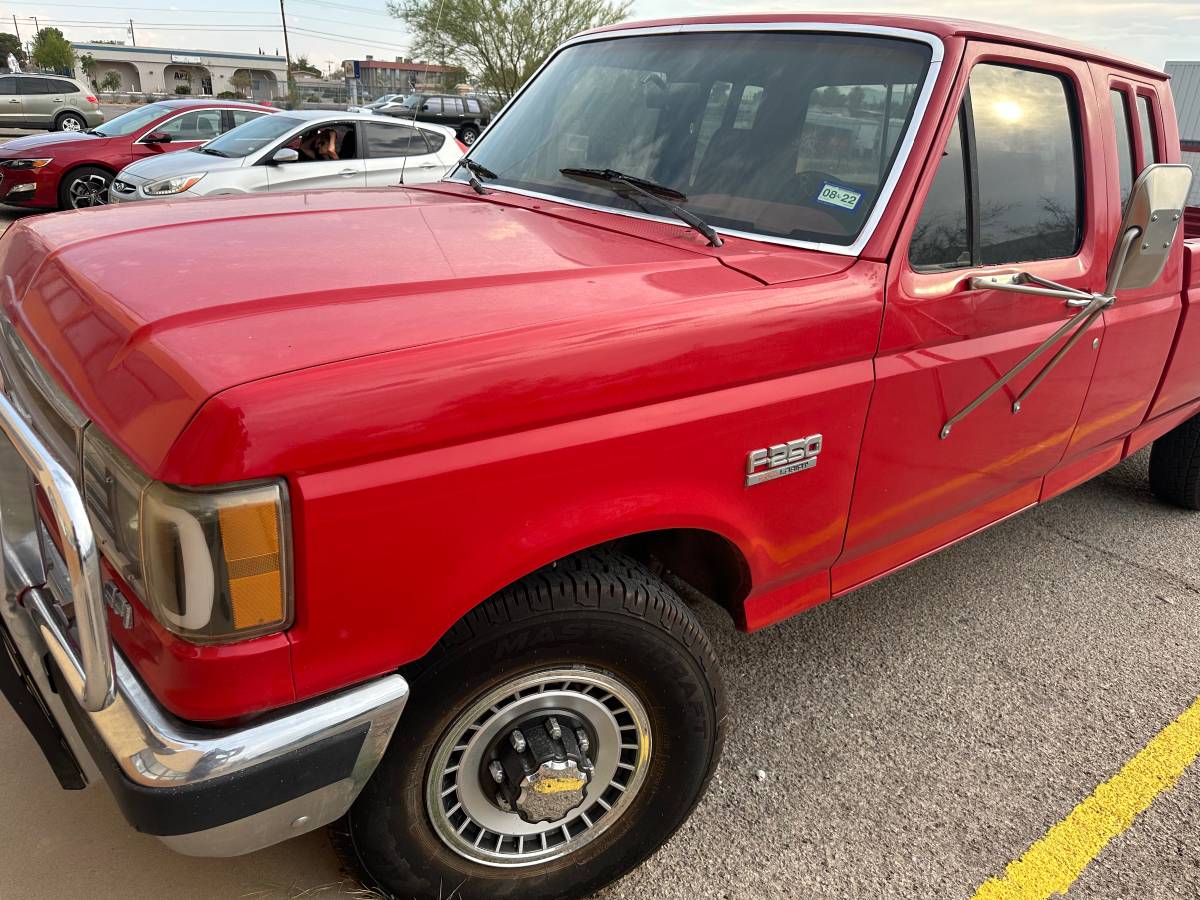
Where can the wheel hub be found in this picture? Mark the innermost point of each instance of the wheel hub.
(538, 767)
(541, 767)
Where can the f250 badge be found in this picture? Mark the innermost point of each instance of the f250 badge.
(779, 460)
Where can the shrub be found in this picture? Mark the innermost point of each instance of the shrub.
(231, 95)
(183, 88)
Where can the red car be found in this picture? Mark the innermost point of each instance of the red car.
(72, 170)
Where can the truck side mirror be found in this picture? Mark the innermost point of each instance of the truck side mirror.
(1150, 225)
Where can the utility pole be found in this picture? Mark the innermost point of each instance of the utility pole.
(16, 29)
(132, 36)
(287, 51)
(36, 26)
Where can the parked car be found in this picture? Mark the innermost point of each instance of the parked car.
(269, 155)
(376, 103)
(386, 507)
(73, 169)
(468, 116)
(50, 102)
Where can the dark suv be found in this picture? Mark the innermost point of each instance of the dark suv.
(466, 115)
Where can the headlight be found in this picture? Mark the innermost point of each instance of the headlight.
(25, 163)
(211, 564)
(176, 185)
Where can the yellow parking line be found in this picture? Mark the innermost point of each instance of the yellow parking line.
(1053, 862)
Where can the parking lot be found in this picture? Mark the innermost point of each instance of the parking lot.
(906, 741)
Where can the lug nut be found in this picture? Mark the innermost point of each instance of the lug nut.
(497, 771)
(517, 740)
(553, 729)
(584, 744)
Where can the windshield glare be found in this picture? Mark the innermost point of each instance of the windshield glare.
(253, 136)
(782, 134)
(134, 120)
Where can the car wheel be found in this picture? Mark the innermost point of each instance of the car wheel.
(70, 122)
(554, 739)
(1175, 465)
(468, 134)
(84, 187)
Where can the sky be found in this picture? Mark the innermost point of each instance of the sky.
(328, 31)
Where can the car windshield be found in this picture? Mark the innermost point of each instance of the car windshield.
(781, 134)
(253, 136)
(134, 120)
(412, 100)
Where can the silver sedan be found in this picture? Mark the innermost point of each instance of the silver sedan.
(296, 150)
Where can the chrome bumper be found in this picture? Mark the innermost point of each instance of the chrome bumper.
(203, 791)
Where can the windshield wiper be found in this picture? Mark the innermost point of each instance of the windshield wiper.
(659, 193)
(476, 171)
(211, 152)
(94, 131)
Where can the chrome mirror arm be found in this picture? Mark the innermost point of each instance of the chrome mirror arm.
(1096, 303)
(1025, 283)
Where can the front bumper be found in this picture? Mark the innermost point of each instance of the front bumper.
(28, 187)
(203, 791)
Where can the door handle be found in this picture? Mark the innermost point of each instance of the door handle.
(57, 100)
(14, 100)
(346, 173)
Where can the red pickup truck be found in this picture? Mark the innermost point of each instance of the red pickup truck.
(757, 309)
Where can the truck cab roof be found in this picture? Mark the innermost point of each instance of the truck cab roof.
(939, 27)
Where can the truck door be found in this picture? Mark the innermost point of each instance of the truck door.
(1008, 190)
(1140, 327)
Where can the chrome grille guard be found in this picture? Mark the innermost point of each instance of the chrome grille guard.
(88, 668)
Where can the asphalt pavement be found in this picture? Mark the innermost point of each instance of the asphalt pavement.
(906, 741)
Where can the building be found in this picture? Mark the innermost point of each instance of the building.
(377, 76)
(1185, 86)
(159, 70)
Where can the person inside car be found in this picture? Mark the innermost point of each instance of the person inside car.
(321, 143)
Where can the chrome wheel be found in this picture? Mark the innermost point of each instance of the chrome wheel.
(578, 740)
(70, 123)
(89, 191)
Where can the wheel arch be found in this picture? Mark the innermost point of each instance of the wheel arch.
(699, 563)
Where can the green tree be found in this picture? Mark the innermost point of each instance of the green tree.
(10, 44)
(90, 67)
(241, 81)
(52, 51)
(301, 64)
(500, 42)
(110, 82)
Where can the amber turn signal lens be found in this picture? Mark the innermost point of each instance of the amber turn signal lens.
(250, 541)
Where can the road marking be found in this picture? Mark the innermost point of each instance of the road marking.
(1053, 862)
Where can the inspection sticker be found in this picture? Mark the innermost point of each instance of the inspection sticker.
(836, 195)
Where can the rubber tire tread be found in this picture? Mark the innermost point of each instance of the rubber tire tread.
(1175, 465)
(594, 581)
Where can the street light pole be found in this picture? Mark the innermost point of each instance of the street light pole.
(287, 51)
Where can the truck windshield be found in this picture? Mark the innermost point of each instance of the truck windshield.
(253, 136)
(779, 134)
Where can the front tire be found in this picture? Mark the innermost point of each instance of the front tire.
(84, 188)
(592, 659)
(1175, 465)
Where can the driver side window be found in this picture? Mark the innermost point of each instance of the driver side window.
(1008, 186)
(326, 143)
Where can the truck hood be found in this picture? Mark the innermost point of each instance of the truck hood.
(142, 313)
